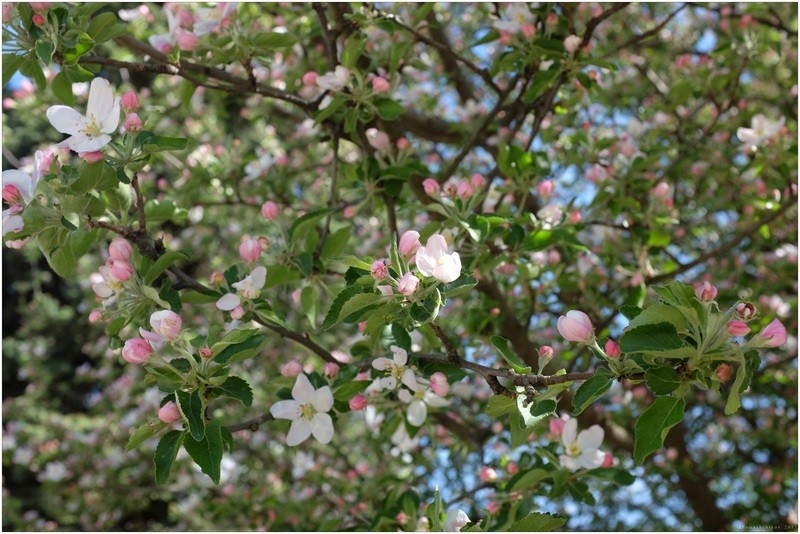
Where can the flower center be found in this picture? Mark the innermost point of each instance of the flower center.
(573, 450)
(307, 411)
(92, 129)
(397, 371)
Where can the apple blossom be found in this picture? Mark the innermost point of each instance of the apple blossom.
(137, 351)
(762, 130)
(132, 123)
(556, 426)
(551, 214)
(249, 249)
(379, 269)
(270, 210)
(745, 311)
(330, 370)
(19, 189)
(291, 368)
(705, 292)
(478, 181)
(90, 132)
(91, 157)
(121, 270)
(430, 186)
(581, 450)
(409, 243)
(95, 316)
(572, 43)
(418, 403)
(612, 349)
(248, 288)
(439, 384)
(129, 102)
(738, 328)
(455, 520)
(169, 413)
(408, 284)
(357, 403)
(545, 188)
(237, 313)
(335, 80)
(396, 367)
(167, 324)
(723, 372)
(307, 412)
(309, 78)
(576, 326)
(773, 335)
(487, 474)
(378, 140)
(380, 84)
(120, 249)
(464, 190)
(608, 461)
(434, 260)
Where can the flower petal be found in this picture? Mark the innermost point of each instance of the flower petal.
(591, 459)
(409, 379)
(65, 119)
(20, 180)
(303, 391)
(417, 412)
(570, 432)
(228, 302)
(400, 355)
(379, 364)
(405, 396)
(569, 462)
(298, 432)
(259, 276)
(101, 100)
(425, 263)
(81, 142)
(591, 438)
(286, 409)
(323, 399)
(436, 246)
(322, 427)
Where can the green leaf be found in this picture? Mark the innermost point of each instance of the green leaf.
(272, 40)
(45, 51)
(62, 88)
(349, 390)
(162, 264)
(752, 361)
(733, 402)
(143, 433)
(334, 314)
(531, 478)
(460, 285)
(434, 512)
(308, 302)
(151, 143)
(335, 243)
(236, 388)
(191, 406)
(590, 391)
(428, 309)
(237, 352)
(207, 452)
(499, 405)
(306, 223)
(519, 432)
(654, 424)
(189, 296)
(659, 313)
(651, 338)
(166, 451)
(662, 380)
(534, 413)
(630, 312)
(541, 81)
(11, 64)
(100, 176)
(400, 337)
(537, 522)
(508, 354)
(104, 27)
(388, 109)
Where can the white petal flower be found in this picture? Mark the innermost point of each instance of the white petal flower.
(434, 260)
(418, 403)
(582, 450)
(307, 412)
(455, 520)
(250, 287)
(228, 302)
(398, 372)
(762, 130)
(89, 132)
(335, 80)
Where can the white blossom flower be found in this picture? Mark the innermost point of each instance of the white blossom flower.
(209, 19)
(518, 15)
(398, 372)
(307, 412)
(19, 188)
(582, 450)
(418, 403)
(248, 288)
(455, 520)
(334, 80)
(434, 260)
(89, 132)
(551, 215)
(762, 130)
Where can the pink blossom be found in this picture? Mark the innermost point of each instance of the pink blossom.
(330, 370)
(401, 518)
(493, 507)
(132, 123)
(379, 269)
(359, 402)
(129, 102)
(745, 311)
(545, 188)
(237, 312)
(167, 324)
(121, 270)
(574, 217)
(556, 426)
(512, 468)
(608, 461)
(402, 143)
(137, 351)
(206, 353)
(738, 328)
(169, 413)
(572, 43)
(545, 352)
(773, 335)
(465, 190)
(408, 284)
(270, 210)
(291, 368)
(430, 186)
(187, 41)
(528, 31)
(409, 243)
(120, 249)
(310, 78)
(91, 157)
(612, 349)
(38, 19)
(723, 372)
(378, 140)
(249, 249)
(705, 292)
(478, 181)
(95, 316)
(487, 474)
(439, 384)
(380, 84)
(576, 326)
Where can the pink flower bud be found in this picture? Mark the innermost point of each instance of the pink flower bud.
(13, 197)
(528, 31)
(121, 270)
(378, 140)
(545, 353)
(572, 43)
(380, 84)
(38, 19)
(249, 249)
(359, 402)
(576, 326)
(409, 243)
(705, 292)
(430, 186)
(137, 351)
(401, 518)
(187, 41)
(169, 413)
(408, 284)
(745, 311)
(310, 79)
(402, 143)
(723, 372)
(132, 123)
(270, 210)
(167, 324)
(512, 468)
(487, 474)
(237, 312)
(91, 157)
(291, 368)
(773, 335)
(439, 384)
(379, 270)
(574, 217)
(206, 353)
(119, 249)
(330, 370)
(95, 317)
(478, 181)
(612, 349)
(545, 189)
(608, 461)
(465, 190)
(129, 102)
(738, 328)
